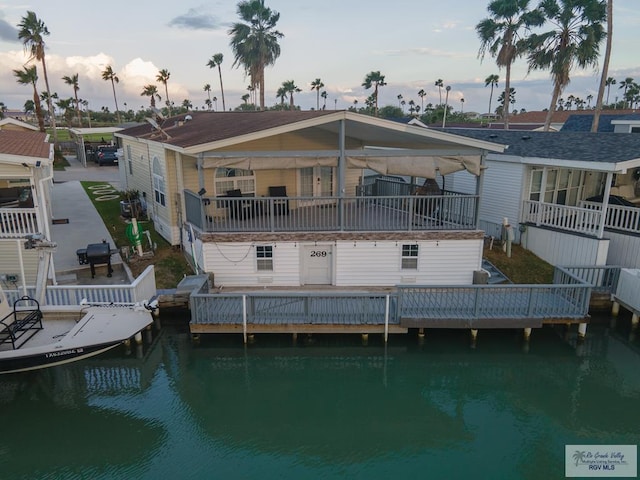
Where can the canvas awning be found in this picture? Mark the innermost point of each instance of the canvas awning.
(424, 166)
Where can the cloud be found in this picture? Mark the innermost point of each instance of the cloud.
(424, 51)
(193, 20)
(8, 32)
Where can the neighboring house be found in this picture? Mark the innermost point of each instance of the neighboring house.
(573, 198)
(10, 123)
(608, 123)
(26, 171)
(279, 198)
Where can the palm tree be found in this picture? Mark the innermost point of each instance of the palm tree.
(73, 81)
(502, 36)
(163, 77)
(30, 108)
(446, 106)
(317, 85)
(462, 105)
(282, 95)
(376, 80)
(400, 97)
(216, 61)
(207, 88)
(610, 81)
(255, 42)
(29, 76)
(290, 87)
(439, 83)
(605, 68)
(493, 81)
(324, 97)
(65, 105)
(245, 98)
(109, 75)
(575, 37)
(151, 91)
(422, 94)
(626, 83)
(32, 32)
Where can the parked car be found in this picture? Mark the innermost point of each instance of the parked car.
(106, 155)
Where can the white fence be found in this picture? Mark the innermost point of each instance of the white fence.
(143, 288)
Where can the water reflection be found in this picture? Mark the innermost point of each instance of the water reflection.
(326, 408)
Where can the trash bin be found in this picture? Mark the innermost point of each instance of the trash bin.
(82, 256)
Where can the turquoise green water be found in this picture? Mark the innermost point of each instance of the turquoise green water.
(330, 408)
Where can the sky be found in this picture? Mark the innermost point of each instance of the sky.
(411, 42)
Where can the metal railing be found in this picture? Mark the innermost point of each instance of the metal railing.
(569, 299)
(331, 213)
(18, 222)
(143, 288)
(603, 278)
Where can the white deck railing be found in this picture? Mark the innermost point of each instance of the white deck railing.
(143, 288)
(18, 222)
(574, 219)
(618, 217)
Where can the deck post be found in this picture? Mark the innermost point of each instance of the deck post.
(474, 337)
(634, 321)
(244, 319)
(582, 331)
(386, 319)
(294, 338)
(527, 334)
(138, 338)
(615, 308)
(365, 339)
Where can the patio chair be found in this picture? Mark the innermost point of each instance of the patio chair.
(281, 207)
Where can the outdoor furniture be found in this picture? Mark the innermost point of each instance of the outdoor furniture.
(238, 209)
(280, 207)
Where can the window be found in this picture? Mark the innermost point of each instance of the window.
(264, 258)
(409, 257)
(563, 186)
(158, 183)
(235, 179)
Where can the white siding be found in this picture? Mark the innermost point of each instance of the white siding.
(461, 182)
(501, 196)
(624, 250)
(562, 248)
(364, 263)
(10, 262)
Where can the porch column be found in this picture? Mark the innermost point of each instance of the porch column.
(543, 191)
(182, 209)
(479, 188)
(200, 161)
(341, 173)
(605, 203)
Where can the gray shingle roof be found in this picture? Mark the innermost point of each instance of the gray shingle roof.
(582, 123)
(582, 146)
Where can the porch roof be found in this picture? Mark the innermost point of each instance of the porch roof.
(585, 150)
(18, 147)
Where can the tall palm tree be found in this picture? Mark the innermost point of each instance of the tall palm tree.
(163, 77)
(376, 80)
(605, 69)
(324, 96)
(574, 39)
(151, 91)
(207, 88)
(502, 35)
(29, 76)
(626, 84)
(32, 32)
(400, 97)
(439, 83)
(493, 81)
(73, 81)
(109, 75)
(215, 102)
(317, 85)
(216, 61)
(65, 105)
(290, 87)
(254, 41)
(422, 94)
(610, 81)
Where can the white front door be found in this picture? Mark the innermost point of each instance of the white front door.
(317, 264)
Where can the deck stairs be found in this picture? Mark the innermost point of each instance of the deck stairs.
(495, 275)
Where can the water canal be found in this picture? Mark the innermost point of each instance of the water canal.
(326, 408)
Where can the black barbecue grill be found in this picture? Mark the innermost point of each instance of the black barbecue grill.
(98, 254)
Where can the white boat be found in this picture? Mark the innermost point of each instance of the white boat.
(34, 337)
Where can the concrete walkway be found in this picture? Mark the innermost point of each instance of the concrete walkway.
(70, 203)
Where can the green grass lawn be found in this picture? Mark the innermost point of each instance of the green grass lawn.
(170, 264)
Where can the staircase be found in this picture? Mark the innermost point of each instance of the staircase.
(495, 275)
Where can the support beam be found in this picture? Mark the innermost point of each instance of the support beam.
(605, 203)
